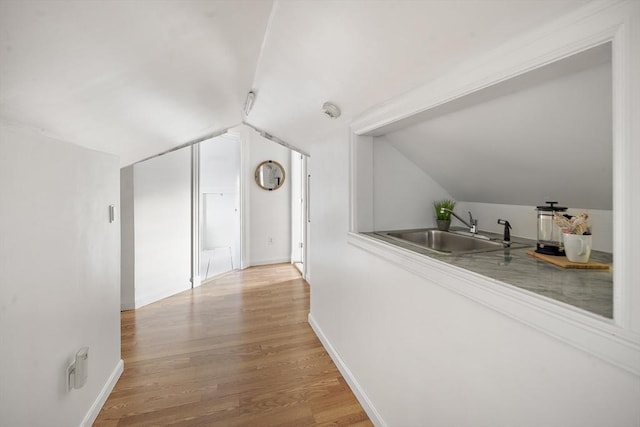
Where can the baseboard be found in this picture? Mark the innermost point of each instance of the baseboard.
(366, 404)
(196, 281)
(103, 396)
(142, 300)
(270, 261)
(217, 276)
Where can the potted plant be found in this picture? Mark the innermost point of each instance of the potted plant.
(576, 235)
(443, 219)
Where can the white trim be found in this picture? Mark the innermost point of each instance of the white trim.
(95, 409)
(155, 297)
(270, 261)
(195, 216)
(196, 281)
(218, 276)
(622, 158)
(358, 391)
(569, 324)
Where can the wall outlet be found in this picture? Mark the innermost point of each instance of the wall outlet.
(269, 240)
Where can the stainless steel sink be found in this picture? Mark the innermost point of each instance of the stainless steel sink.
(446, 242)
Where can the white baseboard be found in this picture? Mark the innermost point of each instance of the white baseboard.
(196, 281)
(103, 396)
(362, 397)
(269, 261)
(148, 298)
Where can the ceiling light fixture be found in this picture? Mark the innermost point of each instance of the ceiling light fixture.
(248, 104)
(331, 110)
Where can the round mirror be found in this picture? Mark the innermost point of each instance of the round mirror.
(270, 175)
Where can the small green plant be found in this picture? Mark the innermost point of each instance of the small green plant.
(445, 203)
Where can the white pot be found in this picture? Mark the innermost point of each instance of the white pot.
(577, 247)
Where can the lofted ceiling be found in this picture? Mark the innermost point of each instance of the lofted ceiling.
(136, 78)
(544, 135)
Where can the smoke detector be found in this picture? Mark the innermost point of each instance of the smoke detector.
(331, 110)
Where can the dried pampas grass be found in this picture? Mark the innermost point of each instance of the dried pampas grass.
(578, 224)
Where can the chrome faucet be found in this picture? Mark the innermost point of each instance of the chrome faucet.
(472, 224)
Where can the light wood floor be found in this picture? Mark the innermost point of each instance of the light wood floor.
(237, 351)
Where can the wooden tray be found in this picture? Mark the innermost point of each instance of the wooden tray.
(562, 261)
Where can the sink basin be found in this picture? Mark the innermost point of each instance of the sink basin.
(446, 242)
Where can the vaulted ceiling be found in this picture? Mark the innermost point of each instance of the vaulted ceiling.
(136, 78)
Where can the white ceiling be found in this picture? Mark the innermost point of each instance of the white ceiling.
(132, 78)
(136, 78)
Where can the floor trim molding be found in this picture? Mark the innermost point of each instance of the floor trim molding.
(362, 397)
(104, 394)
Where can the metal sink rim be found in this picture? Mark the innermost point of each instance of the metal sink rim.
(494, 244)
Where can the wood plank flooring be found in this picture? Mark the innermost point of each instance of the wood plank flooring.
(237, 351)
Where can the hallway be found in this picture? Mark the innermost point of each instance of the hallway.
(237, 351)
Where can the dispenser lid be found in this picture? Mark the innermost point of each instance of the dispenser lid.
(550, 207)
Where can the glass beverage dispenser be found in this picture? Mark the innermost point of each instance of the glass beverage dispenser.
(549, 234)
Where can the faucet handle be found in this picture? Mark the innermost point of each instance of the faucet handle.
(472, 220)
(473, 223)
(506, 239)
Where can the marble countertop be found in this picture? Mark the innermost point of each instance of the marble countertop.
(588, 289)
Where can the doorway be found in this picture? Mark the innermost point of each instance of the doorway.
(299, 210)
(219, 206)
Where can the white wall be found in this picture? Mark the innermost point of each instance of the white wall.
(162, 199)
(156, 218)
(270, 211)
(418, 353)
(403, 194)
(424, 355)
(60, 278)
(525, 145)
(524, 220)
